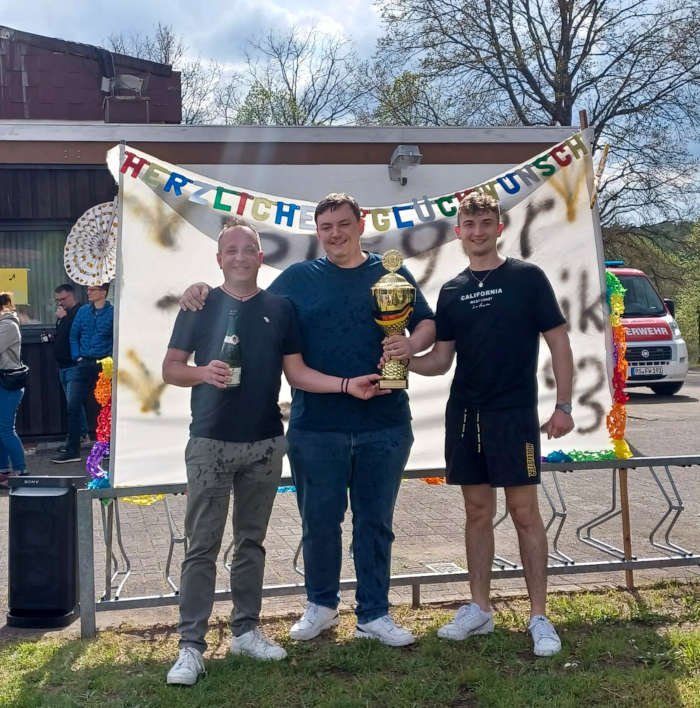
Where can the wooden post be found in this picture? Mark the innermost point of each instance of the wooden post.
(626, 531)
(583, 119)
(415, 596)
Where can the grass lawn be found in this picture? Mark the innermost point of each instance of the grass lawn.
(619, 649)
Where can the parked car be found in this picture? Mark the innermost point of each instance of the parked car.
(657, 354)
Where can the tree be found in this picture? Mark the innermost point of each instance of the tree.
(301, 78)
(634, 66)
(654, 249)
(411, 98)
(227, 99)
(199, 79)
(163, 46)
(688, 297)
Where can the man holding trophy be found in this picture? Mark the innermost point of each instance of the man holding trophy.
(337, 443)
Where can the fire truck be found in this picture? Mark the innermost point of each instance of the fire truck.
(657, 355)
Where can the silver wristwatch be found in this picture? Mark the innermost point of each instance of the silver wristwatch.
(566, 407)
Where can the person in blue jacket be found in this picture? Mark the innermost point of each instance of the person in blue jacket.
(90, 340)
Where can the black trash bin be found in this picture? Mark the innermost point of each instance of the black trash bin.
(42, 580)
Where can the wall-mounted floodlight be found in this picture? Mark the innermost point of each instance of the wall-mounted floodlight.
(402, 159)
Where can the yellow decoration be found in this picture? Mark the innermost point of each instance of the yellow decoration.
(144, 499)
(14, 280)
(622, 449)
(107, 366)
(617, 303)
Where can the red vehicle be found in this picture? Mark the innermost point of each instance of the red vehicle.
(657, 354)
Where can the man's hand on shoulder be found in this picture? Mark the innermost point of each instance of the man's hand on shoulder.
(559, 424)
(194, 297)
(216, 373)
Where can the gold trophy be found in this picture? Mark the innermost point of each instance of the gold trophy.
(393, 297)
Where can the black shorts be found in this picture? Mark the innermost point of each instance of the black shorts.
(497, 447)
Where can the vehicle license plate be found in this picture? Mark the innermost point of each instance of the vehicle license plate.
(646, 370)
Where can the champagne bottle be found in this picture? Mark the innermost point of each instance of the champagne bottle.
(231, 349)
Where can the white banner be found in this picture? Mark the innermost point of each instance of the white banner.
(170, 220)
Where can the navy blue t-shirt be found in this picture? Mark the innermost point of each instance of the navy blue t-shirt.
(341, 338)
(268, 331)
(496, 330)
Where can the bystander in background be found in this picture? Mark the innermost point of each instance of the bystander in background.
(11, 450)
(67, 307)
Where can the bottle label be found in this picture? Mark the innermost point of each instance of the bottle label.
(235, 376)
(231, 339)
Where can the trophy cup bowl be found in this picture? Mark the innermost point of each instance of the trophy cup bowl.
(392, 300)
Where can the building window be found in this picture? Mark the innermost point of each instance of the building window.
(33, 259)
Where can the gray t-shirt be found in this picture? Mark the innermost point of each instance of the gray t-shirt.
(268, 330)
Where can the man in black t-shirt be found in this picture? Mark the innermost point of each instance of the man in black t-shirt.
(236, 442)
(492, 315)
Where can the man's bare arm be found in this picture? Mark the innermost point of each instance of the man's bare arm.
(563, 368)
(305, 378)
(437, 361)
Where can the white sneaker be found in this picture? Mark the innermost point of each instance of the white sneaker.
(315, 619)
(470, 619)
(386, 631)
(544, 636)
(257, 645)
(185, 671)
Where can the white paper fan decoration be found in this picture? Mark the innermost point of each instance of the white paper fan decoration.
(90, 254)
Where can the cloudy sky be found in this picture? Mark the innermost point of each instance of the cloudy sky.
(215, 29)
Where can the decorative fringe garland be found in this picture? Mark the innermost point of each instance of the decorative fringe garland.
(99, 476)
(617, 417)
(103, 395)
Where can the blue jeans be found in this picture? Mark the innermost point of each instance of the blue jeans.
(11, 450)
(324, 466)
(66, 377)
(81, 387)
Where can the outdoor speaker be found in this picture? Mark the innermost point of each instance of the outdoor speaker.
(42, 552)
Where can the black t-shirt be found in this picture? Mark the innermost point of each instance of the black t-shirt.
(268, 330)
(496, 333)
(61, 345)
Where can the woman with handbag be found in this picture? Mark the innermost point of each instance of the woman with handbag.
(12, 378)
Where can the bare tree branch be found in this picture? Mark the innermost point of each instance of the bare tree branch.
(199, 78)
(301, 78)
(634, 65)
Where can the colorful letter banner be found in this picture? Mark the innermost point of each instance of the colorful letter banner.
(172, 216)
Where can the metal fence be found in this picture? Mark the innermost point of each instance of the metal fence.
(662, 471)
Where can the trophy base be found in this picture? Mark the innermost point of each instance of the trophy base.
(393, 383)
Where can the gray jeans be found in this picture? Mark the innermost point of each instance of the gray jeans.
(214, 468)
